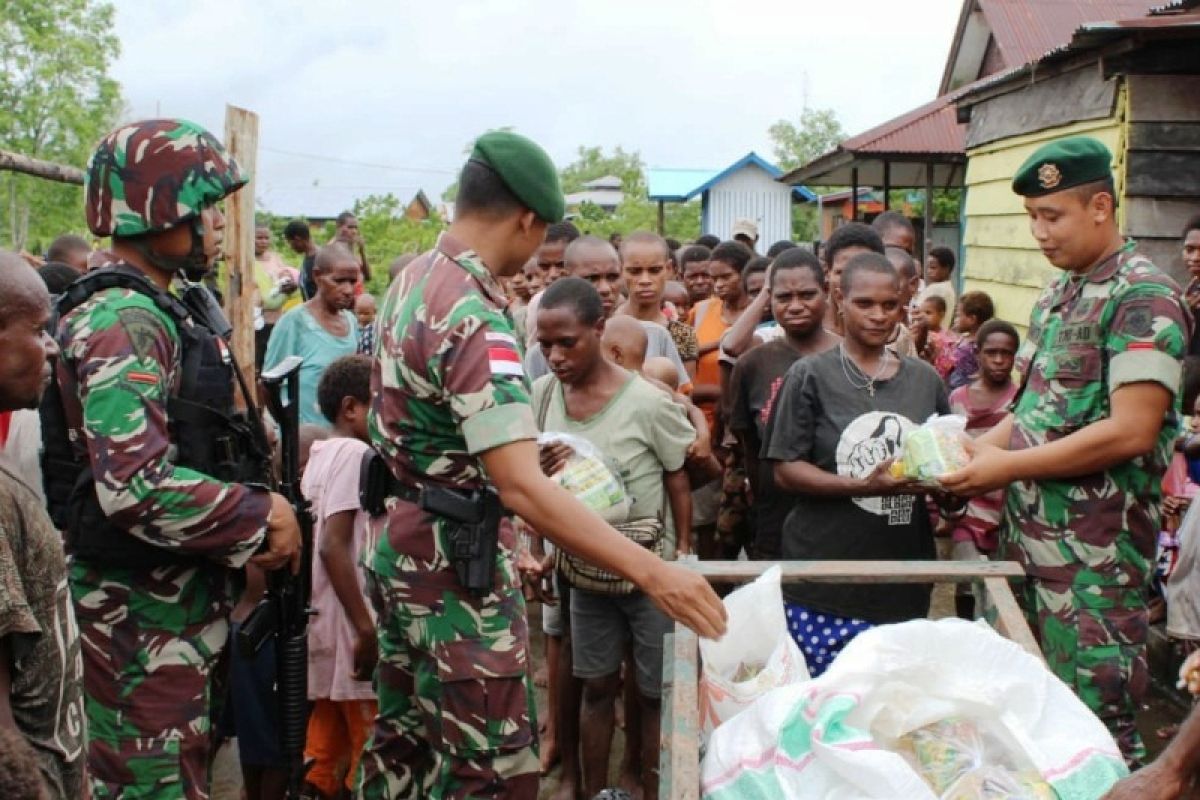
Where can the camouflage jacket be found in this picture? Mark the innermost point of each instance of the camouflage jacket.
(448, 383)
(1121, 323)
(120, 362)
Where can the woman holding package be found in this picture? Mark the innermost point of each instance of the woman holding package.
(833, 434)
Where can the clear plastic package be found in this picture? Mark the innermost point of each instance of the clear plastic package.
(933, 449)
(591, 477)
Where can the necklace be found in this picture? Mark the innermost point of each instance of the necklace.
(856, 377)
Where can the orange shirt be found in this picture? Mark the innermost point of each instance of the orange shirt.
(710, 327)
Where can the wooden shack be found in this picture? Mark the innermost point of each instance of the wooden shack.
(1134, 84)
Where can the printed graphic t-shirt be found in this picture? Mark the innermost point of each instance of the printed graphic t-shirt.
(822, 419)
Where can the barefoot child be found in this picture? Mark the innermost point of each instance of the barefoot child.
(342, 647)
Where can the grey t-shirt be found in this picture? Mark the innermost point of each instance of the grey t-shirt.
(658, 343)
(819, 417)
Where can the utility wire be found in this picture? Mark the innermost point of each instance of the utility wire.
(332, 159)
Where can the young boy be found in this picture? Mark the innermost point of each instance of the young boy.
(251, 713)
(984, 402)
(364, 310)
(342, 647)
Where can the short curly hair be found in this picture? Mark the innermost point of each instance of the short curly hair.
(348, 376)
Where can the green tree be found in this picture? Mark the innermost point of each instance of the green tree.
(388, 233)
(56, 101)
(796, 143)
(815, 133)
(591, 163)
(635, 212)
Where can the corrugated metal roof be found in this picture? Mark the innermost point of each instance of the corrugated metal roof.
(1025, 30)
(928, 129)
(1089, 35)
(684, 184)
(665, 183)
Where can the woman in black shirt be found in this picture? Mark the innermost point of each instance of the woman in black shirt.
(836, 428)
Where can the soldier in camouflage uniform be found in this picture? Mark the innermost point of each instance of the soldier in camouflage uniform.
(150, 634)
(451, 409)
(1090, 435)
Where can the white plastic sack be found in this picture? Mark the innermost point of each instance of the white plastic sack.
(754, 657)
(828, 738)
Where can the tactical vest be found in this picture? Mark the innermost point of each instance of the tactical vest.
(206, 431)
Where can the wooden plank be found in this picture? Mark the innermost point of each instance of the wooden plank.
(1001, 230)
(1061, 100)
(241, 140)
(1164, 136)
(1167, 255)
(858, 571)
(679, 764)
(1010, 620)
(1163, 174)
(1164, 98)
(15, 162)
(1018, 266)
(1158, 217)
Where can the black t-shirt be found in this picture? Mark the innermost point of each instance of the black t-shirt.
(821, 418)
(754, 385)
(307, 282)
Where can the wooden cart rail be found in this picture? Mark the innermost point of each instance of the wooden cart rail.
(679, 767)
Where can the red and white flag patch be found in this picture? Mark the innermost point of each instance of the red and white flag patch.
(503, 356)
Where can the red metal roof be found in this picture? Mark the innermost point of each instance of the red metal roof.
(931, 128)
(1025, 30)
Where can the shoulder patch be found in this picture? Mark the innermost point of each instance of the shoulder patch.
(143, 328)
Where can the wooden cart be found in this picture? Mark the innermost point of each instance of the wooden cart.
(679, 768)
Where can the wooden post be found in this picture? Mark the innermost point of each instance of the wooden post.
(241, 139)
(662, 225)
(928, 216)
(887, 185)
(854, 194)
(679, 735)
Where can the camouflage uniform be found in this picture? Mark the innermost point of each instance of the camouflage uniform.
(1088, 543)
(455, 699)
(149, 635)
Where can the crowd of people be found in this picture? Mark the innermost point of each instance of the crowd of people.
(751, 405)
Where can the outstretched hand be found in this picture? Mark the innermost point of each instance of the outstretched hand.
(987, 470)
(686, 596)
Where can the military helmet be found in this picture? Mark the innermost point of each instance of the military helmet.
(155, 174)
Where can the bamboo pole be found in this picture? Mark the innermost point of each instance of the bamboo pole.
(15, 162)
(241, 139)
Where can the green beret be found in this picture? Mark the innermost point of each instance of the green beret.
(1061, 165)
(526, 170)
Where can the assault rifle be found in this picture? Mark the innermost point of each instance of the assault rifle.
(284, 610)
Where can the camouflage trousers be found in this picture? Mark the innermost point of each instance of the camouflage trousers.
(455, 698)
(149, 640)
(1094, 640)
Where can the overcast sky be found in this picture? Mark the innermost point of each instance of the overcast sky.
(402, 87)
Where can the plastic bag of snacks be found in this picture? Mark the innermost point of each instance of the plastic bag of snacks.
(589, 476)
(931, 450)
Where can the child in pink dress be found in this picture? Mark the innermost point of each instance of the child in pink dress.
(342, 647)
